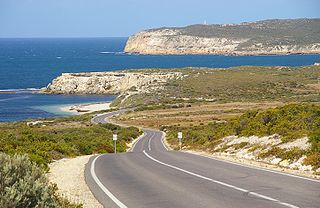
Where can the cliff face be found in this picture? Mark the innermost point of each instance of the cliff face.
(108, 82)
(263, 37)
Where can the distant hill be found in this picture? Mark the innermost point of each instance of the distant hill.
(256, 38)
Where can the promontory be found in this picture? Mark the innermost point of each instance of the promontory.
(268, 37)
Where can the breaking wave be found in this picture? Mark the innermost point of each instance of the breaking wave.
(19, 90)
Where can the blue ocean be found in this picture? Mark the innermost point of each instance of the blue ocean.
(33, 63)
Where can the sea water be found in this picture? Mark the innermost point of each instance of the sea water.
(33, 63)
(21, 106)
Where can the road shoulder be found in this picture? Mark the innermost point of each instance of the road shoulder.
(68, 174)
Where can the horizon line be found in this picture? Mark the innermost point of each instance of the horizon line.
(62, 37)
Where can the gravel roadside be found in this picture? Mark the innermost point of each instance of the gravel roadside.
(68, 174)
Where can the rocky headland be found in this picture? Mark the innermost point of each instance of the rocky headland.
(112, 83)
(269, 37)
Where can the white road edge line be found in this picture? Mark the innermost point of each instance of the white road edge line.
(102, 187)
(256, 168)
(162, 138)
(149, 145)
(222, 183)
(133, 146)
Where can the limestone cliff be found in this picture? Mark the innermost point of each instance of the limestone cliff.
(108, 82)
(263, 37)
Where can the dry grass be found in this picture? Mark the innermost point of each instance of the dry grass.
(195, 115)
(315, 86)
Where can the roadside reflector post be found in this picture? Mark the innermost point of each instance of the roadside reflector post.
(115, 137)
(180, 139)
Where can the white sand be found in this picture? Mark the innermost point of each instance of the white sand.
(86, 108)
(68, 174)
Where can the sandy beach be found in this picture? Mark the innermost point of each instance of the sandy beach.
(85, 108)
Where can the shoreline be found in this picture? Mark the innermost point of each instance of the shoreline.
(231, 54)
(83, 108)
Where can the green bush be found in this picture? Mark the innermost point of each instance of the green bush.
(65, 137)
(313, 157)
(23, 184)
(241, 145)
(291, 154)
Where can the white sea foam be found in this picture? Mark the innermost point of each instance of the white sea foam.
(19, 90)
(107, 52)
(112, 52)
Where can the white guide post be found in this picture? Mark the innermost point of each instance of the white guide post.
(115, 137)
(180, 139)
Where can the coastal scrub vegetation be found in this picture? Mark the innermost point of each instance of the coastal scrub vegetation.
(189, 114)
(291, 122)
(267, 32)
(24, 184)
(235, 84)
(52, 139)
(250, 83)
(27, 147)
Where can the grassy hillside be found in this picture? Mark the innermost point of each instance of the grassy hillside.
(249, 83)
(267, 32)
(244, 84)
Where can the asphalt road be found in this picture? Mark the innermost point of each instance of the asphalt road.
(152, 176)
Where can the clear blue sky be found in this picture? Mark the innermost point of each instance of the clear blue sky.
(121, 18)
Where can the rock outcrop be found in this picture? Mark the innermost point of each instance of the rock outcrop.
(301, 36)
(109, 82)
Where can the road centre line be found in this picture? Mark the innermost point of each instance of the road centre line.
(149, 142)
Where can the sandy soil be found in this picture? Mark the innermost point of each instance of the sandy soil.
(68, 174)
(86, 108)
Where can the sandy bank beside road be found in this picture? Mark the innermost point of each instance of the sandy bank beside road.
(68, 174)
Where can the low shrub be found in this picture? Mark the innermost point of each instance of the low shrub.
(240, 145)
(24, 184)
(65, 137)
(313, 159)
(291, 154)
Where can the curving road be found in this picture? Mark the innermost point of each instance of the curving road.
(151, 176)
